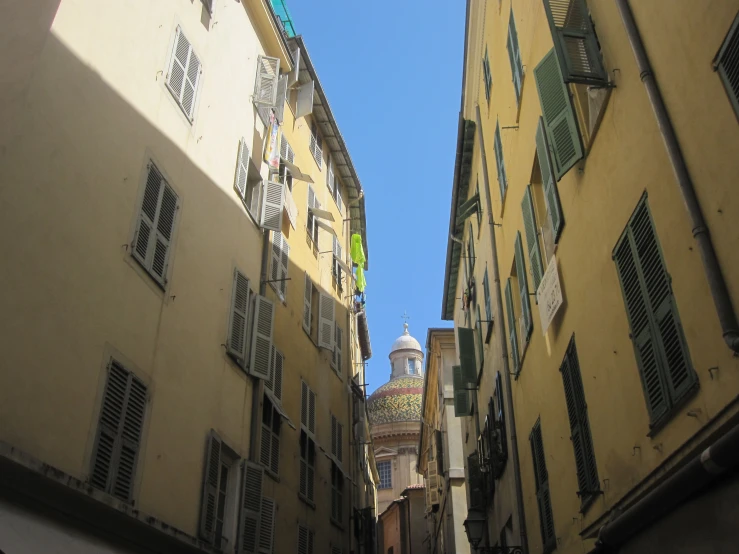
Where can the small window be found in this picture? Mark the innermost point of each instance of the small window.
(487, 76)
(386, 474)
(727, 64)
(183, 76)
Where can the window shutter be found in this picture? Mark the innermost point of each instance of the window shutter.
(304, 404)
(532, 239)
(661, 351)
(265, 445)
(307, 303)
(514, 56)
(237, 324)
(304, 102)
(466, 341)
(284, 265)
(339, 442)
(462, 406)
(727, 64)
(242, 169)
(280, 263)
(546, 518)
(274, 464)
(251, 508)
(311, 411)
(488, 305)
(119, 433)
(512, 327)
(261, 346)
(551, 193)
(330, 175)
(575, 43)
(334, 423)
(326, 320)
(281, 97)
(480, 344)
(582, 443)
(523, 287)
(474, 479)
(211, 475)
(303, 538)
(273, 201)
(338, 349)
(284, 147)
(278, 361)
(184, 73)
(265, 85)
(560, 123)
(267, 526)
(339, 199)
(499, 161)
(469, 207)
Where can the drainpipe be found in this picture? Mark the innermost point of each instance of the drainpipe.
(697, 474)
(503, 343)
(716, 282)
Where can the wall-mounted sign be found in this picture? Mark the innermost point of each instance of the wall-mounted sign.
(549, 295)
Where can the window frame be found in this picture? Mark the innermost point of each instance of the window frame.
(385, 483)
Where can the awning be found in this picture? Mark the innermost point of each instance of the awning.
(296, 173)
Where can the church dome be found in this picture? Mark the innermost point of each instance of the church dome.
(397, 400)
(405, 341)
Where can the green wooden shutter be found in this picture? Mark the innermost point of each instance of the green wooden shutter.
(575, 43)
(582, 442)
(466, 342)
(251, 508)
(469, 207)
(499, 161)
(523, 288)
(211, 475)
(488, 305)
(532, 238)
(659, 343)
(560, 122)
(480, 344)
(461, 394)
(551, 193)
(512, 327)
(543, 497)
(514, 56)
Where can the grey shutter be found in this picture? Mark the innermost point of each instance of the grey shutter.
(560, 122)
(466, 342)
(276, 260)
(727, 64)
(267, 526)
(532, 239)
(265, 85)
(339, 442)
(514, 56)
(269, 383)
(512, 335)
(575, 43)
(281, 97)
(166, 214)
(239, 315)
(265, 445)
(480, 343)
(551, 193)
(274, 465)
(468, 208)
(543, 498)
(499, 161)
(337, 350)
(661, 350)
(488, 305)
(582, 443)
(211, 475)
(251, 508)
(461, 394)
(304, 404)
(119, 433)
(303, 536)
(304, 102)
(242, 169)
(273, 200)
(523, 288)
(311, 411)
(184, 73)
(261, 346)
(326, 318)
(295, 73)
(333, 435)
(278, 361)
(307, 296)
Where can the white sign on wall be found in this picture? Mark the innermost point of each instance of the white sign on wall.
(549, 295)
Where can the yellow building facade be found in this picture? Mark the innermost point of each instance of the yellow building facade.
(606, 306)
(199, 386)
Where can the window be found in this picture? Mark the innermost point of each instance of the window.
(311, 225)
(582, 442)
(532, 237)
(266, 85)
(560, 123)
(286, 154)
(543, 499)
(512, 334)
(274, 383)
(386, 474)
(339, 200)
(270, 448)
(267, 526)
(183, 76)
(315, 144)
(527, 324)
(310, 307)
(280, 263)
(412, 367)
(475, 482)
(486, 75)
(661, 351)
(498, 435)
(726, 63)
(554, 219)
(514, 56)
(337, 440)
(307, 442)
(118, 439)
(305, 540)
(336, 355)
(337, 494)
(264, 201)
(471, 252)
(232, 498)
(336, 268)
(152, 242)
(498, 147)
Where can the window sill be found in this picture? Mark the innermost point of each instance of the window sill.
(306, 501)
(272, 475)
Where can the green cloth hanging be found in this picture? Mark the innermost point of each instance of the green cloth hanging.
(361, 281)
(357, 251)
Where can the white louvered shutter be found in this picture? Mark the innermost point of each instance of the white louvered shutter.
(267, 526)
(265, 445)
(281, 97)
(330, 175)
(311, 411)
(242, 169)
(283, 147)
(339, 199)
(265, 85)
(184, 73)
(304, 103)
(251, 508)
(293, 75)
(338, 349)
(261, 346)
(211, 474)
(326, 320)
(237, 325)
(307, 303)
(303, 536)
(269, 383)
(273, 200)
(304, 404)
(334, 425)
(284, 265)
(278, 363)
(280, 262)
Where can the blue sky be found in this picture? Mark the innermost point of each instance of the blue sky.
(392, 73)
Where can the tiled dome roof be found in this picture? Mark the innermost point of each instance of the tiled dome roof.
(397, 400)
